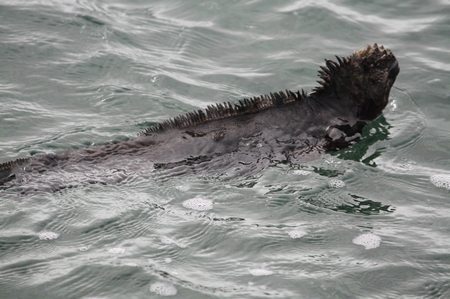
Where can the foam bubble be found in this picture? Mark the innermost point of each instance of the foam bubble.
(441, 180)
(301, 172)
(260, 272)
(335, 183)
(163, 289)
(166, 240)
(116, 250)
(297, 234)
(48, 235)
(369, 241)
(198, 204)
(183, 188)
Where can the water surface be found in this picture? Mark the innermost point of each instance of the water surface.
(78, 73)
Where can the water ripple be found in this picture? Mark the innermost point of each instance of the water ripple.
(77, 73)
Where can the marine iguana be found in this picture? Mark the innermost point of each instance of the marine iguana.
(245, 137)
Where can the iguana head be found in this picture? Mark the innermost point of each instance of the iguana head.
(361, 81)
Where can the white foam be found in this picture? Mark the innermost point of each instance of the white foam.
(301, 172)
(335, 183)
(117, 250)
(166, 240)
(163, 289)
(369, 241)
(131, 264)
(441, 180)
(183, 188)
(260, 272)
(198, 204)
(297, 234)
(48, 235)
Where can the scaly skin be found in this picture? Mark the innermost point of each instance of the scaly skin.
(237, 139)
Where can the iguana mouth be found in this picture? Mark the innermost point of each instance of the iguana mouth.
(394, 70)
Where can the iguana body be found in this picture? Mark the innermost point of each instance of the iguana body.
(241, 138)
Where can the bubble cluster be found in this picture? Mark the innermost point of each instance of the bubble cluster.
(166, 240)
(198, 204)
(335, 183)
(116, 250)
(163, 289)
(441, 180)
(48, 235)
(369, 241)
(297, 234)
(301, 172)
(183, 188)
(260, 272)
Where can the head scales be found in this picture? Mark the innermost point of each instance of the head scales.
(361, 81)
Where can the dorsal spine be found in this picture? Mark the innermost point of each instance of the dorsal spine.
(226, 109)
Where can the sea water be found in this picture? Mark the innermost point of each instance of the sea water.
(370, 221)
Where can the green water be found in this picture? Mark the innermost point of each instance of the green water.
(78, 73)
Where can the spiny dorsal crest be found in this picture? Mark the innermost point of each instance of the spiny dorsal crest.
(327, 72)
(225, 110)
(11, 164)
